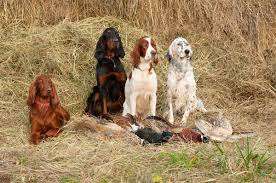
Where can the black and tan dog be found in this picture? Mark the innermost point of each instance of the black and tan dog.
(108, 95)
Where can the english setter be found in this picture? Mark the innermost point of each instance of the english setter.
(181, 81)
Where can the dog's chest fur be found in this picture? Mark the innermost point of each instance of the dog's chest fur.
(143, 81)
(180, 78)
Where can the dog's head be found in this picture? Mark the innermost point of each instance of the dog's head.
(43, 87)
(179, 49)
(109, 41)
(144, 48)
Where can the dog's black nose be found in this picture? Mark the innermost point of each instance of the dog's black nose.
(153, 52)
(187, 52)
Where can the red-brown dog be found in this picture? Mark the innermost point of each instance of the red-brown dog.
(46, 113)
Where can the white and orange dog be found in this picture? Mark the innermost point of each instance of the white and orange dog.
(181, 81)
(141, 85)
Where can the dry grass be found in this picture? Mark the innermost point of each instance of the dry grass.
(249, 21)
(234, 60)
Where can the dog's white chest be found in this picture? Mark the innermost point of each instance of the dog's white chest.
(140, 91)
(144, 81)
(181, 82)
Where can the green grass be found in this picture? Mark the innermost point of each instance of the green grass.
(157, 179)
(69, 179)
(255, 163)
(247, 158)
(23, 160)
(181, 159)
(222, 158)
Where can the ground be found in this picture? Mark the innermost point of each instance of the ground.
(227, 79)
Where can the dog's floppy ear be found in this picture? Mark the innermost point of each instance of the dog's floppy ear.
(135, 55)
(169, 54)
(54, 97)
(100, 48)
(121, 51)
(32, 94)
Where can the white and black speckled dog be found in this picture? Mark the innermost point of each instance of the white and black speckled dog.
(181, 81)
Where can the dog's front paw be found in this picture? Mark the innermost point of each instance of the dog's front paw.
(171, 120)
(183, 121)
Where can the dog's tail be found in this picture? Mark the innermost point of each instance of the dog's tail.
(92, 108)
(89, 100)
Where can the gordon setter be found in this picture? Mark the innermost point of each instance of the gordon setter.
(108, 95)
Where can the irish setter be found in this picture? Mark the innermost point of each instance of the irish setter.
(47, 116)
(141, 85)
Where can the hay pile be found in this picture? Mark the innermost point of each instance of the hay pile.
(64, 51)
(229, 79)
